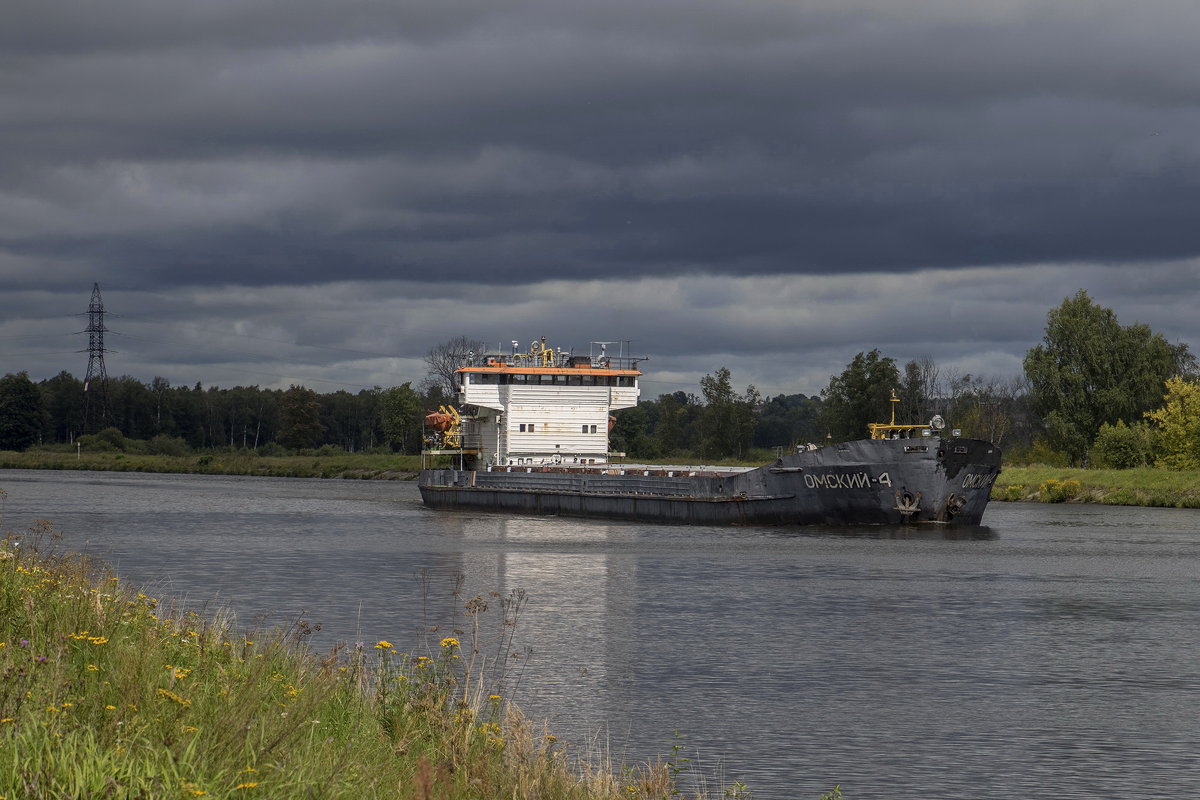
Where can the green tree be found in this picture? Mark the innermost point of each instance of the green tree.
(133, 407)
(1177, 426)
(1122, 446)
(727, 422)
(160, 390)
(1090, 370)
(860, 395)
(62, 397)
(341, 416)
(21, 412)
(400, 418)
(787, 420)
(671, 423)
(301, 418)
(919, 387)
(628, 434)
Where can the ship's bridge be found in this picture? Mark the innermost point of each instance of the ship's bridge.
(544, 406)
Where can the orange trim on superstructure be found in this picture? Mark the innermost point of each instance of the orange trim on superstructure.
(511, 370)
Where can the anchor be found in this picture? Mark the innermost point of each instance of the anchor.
(907, 503)
(954, 504)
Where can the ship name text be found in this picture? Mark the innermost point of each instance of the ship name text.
(845, 480)
(977, 480)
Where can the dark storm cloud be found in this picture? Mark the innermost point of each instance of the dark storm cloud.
(329, 188)
(285, 142)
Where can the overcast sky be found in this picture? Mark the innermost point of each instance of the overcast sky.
(304, 191)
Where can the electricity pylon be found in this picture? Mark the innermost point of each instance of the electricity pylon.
(97, 413)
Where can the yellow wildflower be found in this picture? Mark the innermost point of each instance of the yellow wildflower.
(449, 641)
(384, 644)
(92, 668)
(247, 785)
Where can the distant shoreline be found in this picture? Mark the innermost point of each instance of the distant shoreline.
(350, 466)
(1145, 486)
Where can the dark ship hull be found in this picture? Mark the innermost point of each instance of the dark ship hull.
(867, 482)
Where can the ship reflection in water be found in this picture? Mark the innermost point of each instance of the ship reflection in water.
(576, 636)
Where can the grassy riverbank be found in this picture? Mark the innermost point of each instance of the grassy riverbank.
(365, 466)
(323, 464)
(105, 692)
(1146, 486)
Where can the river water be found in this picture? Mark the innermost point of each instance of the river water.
(1053, 653)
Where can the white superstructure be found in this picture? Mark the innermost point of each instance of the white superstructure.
(543, 407)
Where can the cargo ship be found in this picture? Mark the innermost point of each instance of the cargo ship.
(531, 436)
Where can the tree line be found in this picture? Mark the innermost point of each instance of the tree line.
(175, 419)
(1092, 392)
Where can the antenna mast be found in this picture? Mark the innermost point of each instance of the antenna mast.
(96, 412)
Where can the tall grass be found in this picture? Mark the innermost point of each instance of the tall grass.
(1143, 486)
(106, 692)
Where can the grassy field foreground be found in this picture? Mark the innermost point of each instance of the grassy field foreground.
(106, 693)
(1145, 486)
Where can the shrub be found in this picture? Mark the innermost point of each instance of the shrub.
(1124, 497)
(106, 441)
(1121, 446)
(1055, 491)
(163, 445)
(1013, 493)
(1040, 452)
